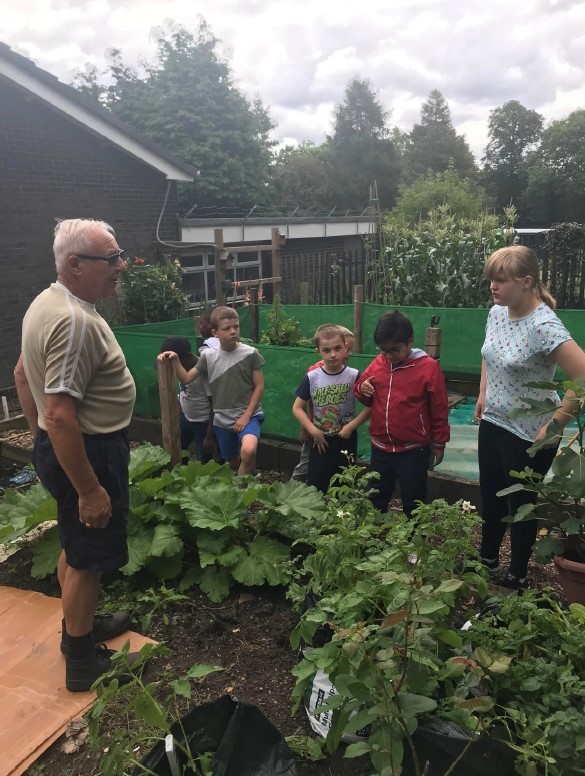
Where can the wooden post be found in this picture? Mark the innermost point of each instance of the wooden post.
(358, 318)
(277, 243)
(433, 339)
(169, 410)
(305, 292)
(254, 316)
(219, 267)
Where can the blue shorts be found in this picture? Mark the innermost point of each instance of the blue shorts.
(229, 441)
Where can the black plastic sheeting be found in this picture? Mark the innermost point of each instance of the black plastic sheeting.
(440, 742)
(244, 741)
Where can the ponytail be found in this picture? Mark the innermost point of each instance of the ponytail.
(545, 295)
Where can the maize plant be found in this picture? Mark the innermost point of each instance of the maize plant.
(439, 262)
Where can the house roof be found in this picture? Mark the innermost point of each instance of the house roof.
(23, 73)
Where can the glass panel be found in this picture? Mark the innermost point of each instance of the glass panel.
(194, 286)
(248, 258)
(211, 292)
(192, 261)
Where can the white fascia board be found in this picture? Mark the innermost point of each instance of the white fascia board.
(93, 122)
(239, 233)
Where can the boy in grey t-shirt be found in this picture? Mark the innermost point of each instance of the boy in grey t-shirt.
(234, 373)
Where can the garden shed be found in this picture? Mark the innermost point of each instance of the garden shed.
(64, 156)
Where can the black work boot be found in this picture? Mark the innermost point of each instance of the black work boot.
(80, 674)
(105, 627)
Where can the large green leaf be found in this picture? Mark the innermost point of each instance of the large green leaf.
(152, 485)
(215, 583)
(294, 499)
(571, 465)
(412, 705)
(21, 512)
(214, 505)
(138, 550)
(166, 541)
(212, 543)
(46, 553)
(149, 711)
(228, 558)
(536, 407)
(261, 563)
(146, 460)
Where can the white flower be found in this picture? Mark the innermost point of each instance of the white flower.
(467, 507)
(340, 513)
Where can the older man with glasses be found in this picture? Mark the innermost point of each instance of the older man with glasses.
(78, 394)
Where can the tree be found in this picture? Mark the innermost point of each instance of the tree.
(434, 143)
(556, 176)
(514, 132)
(463, 197)
(300, 177)
(186, 101)
(360, 151)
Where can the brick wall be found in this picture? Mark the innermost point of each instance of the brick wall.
(50, 167)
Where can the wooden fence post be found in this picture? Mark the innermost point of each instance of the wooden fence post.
(254, 316)
(169, 410)
(277, 243)
(433, 339)
(219, 267)
(305, 292)
(358, 318)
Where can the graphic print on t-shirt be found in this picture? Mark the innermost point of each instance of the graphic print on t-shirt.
(331, 396)
(328, 403)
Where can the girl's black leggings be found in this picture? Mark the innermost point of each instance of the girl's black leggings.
(499, 452)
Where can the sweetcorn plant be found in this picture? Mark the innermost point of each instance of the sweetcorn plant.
(439, 262)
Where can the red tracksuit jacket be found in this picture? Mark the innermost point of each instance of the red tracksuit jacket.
(409, 406)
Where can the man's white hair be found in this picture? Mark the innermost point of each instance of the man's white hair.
(74, 235)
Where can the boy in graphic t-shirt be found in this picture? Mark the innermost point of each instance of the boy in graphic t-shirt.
(334, 424)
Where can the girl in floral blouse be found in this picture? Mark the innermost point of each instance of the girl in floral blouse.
(525, 342)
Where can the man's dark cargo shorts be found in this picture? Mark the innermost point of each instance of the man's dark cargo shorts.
(89, 549)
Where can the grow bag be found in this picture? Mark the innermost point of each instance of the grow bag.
(440, 742)
(243, 741)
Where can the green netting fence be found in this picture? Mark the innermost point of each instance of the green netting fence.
(463, 334)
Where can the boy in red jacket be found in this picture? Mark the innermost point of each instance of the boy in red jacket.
(407, 393)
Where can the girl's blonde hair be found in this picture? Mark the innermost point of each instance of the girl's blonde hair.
(518, 261)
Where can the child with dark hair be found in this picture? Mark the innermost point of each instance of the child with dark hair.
(409, 427)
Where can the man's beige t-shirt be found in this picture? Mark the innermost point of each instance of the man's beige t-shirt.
(67, 347)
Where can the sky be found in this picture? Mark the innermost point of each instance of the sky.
(298, 56)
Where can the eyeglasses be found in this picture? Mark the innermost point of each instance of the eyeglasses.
(112, 258)
(391, 351)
